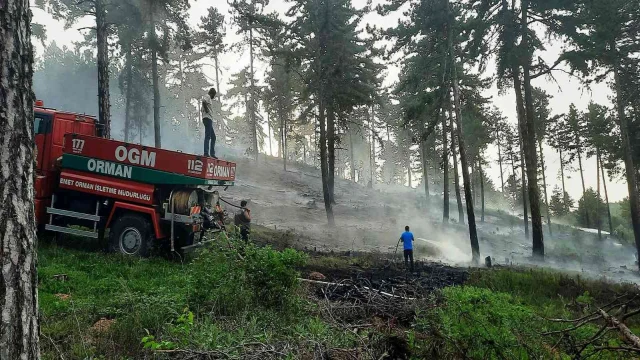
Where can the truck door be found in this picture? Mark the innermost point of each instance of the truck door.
(41, 129)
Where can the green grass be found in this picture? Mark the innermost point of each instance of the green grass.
(502, 314)
(218, 300)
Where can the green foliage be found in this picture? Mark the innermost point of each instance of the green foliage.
(591, 209)
(482, 324)
(560, 204)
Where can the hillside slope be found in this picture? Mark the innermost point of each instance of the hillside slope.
(372, 220)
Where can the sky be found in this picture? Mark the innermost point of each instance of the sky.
(564, 89)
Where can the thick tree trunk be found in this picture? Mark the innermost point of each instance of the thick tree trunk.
(544, 183)
(481, 174)
(606, 197)
(331, 151)
(252, 108)
(283, 140)
(324, 168)
(445, 165)
(156, 88)
(104, 116)
(530, 144)
(19, 326)
(269, 133)
(456, 177)
(500, 161)
(630, 169)
(127, 107)
(409, 170)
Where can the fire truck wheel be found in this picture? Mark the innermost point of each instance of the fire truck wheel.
(131, 235)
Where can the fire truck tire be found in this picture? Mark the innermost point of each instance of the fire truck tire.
(131, 235)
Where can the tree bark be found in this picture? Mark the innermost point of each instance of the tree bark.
(606, 196)
(104, 116)
(445, 165)
(156, 88)
(19, 325)
(530, 143)
(456, 177)
(630, 169)
(127, 107)
(544, 183)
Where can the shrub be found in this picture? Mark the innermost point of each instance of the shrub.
(272, 274)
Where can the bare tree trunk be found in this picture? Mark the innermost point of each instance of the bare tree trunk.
(269, 133)
(564, 189)
(473, 232)
(606, 196)
(530, 144)
(598, 217)
(127, 107)
(324, 169)
(409, 170)
(523, 178)
(445, 164)
(372, 158)
(584, 189)
(425, 172)
(544, 183)
(352, 171)
(500, 161)
(481, 175)
(456, 177)
(156, 88)
(19, 326)
(252, 107)
(331, 150)
(630, 169)
(104, 115)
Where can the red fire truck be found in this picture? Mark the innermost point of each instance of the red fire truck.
(144, 196)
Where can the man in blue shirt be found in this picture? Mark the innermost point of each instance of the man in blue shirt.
(407, 240)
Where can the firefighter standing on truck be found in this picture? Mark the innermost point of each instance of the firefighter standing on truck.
(207, 121)
(243, 220)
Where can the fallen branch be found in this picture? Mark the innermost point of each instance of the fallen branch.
(630, 337)
(364, 287)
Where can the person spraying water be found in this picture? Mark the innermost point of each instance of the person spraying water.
(407, 241)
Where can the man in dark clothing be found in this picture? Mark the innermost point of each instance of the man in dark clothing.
(407, 240)
(243, 220)
(207, 120)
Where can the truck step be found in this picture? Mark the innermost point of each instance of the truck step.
(66, 230)
(73, 214)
